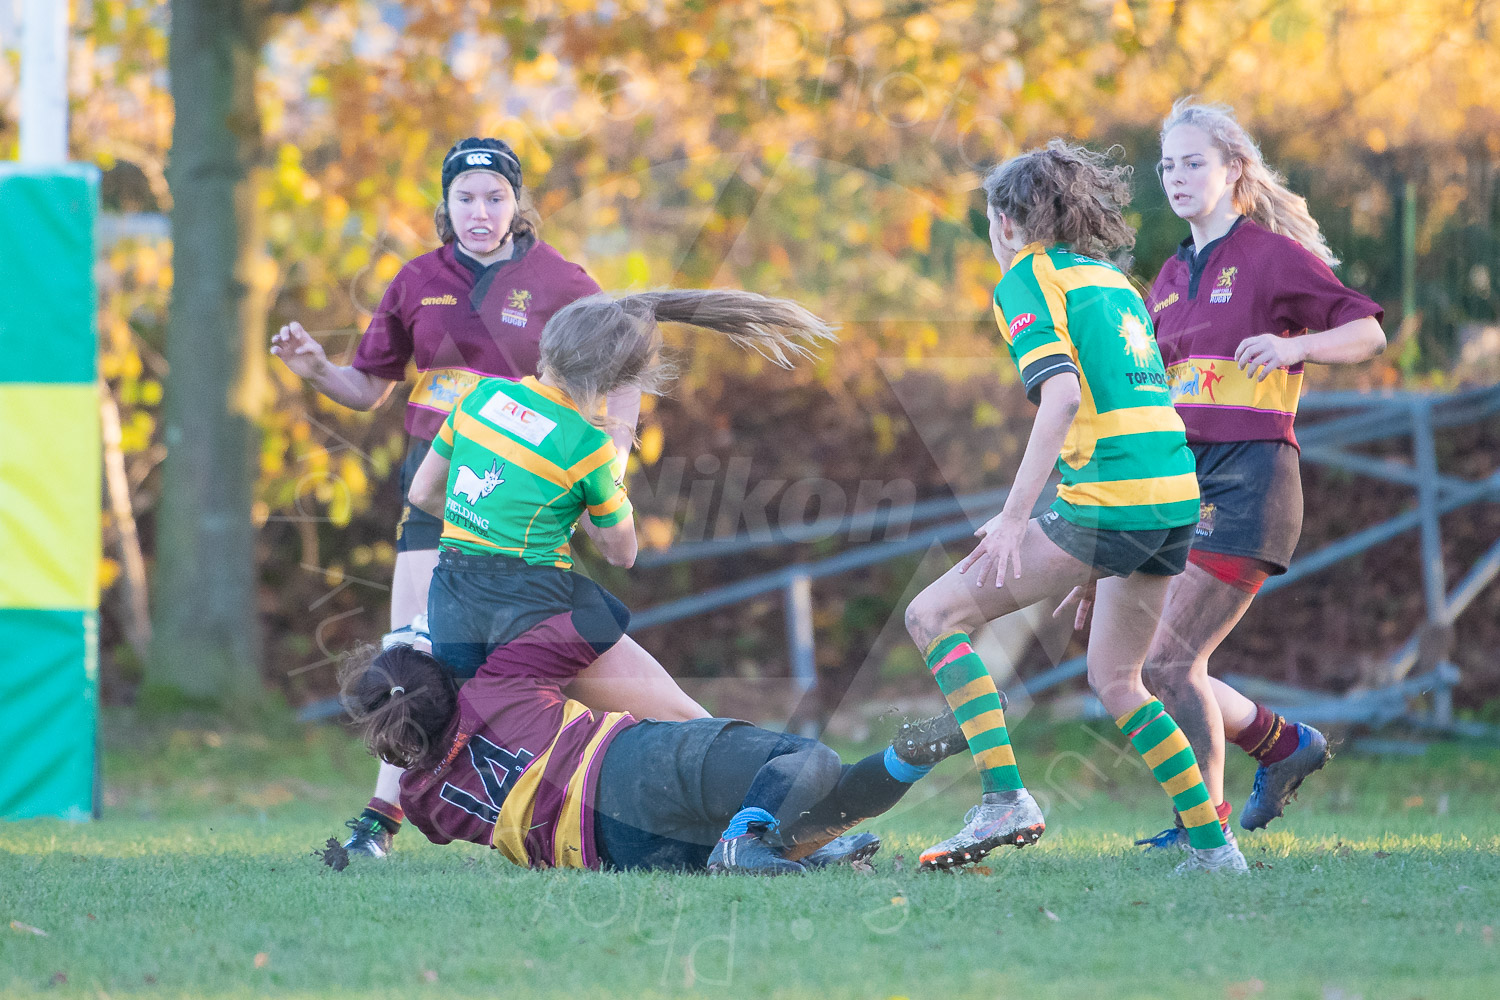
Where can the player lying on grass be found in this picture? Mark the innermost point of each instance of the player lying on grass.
(507, 760)
(1081, 338)
(511, 473)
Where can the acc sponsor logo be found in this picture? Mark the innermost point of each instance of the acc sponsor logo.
(480, 160)
(1224, 285)
(440, 300)
(1164, 303)
(1021, 322)
(524, 423)
(514, 312)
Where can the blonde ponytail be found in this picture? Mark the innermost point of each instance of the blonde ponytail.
(1260, 193)
(598, 345)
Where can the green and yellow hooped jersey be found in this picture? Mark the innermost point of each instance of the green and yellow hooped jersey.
(524, 466)
(1125, 464)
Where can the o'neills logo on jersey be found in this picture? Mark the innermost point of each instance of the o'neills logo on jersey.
(522, 421)
(1224, 286)
(1021, 322)
(440, 300)
(1164, 303)
(514, 312)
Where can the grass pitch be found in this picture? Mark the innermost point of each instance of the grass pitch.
(1384, 882)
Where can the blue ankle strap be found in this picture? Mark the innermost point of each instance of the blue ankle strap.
(740, 824)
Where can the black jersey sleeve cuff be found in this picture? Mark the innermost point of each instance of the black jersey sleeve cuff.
(1041, 370)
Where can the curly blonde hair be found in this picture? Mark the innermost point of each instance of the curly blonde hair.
(1063, 193)
(1260, 193)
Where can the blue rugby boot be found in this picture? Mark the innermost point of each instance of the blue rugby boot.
(747, 854)
(1275, 784)
(849, 849)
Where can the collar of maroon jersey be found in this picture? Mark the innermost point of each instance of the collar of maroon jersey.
(1198, 262)
(523, 245)
(484, 274)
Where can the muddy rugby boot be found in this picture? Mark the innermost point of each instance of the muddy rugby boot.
(1002, 818)
(1275, 784)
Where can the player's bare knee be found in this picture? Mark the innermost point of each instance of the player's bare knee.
(821, 769)
(928, 616)
(1166, 677)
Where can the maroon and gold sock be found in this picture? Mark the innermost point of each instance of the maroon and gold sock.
(1269, 738)
(385, 813)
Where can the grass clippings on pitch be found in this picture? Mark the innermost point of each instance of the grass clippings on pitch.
(201, 881)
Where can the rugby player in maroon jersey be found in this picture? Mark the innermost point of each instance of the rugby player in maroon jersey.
(475, 307)
(509, 762)
(1246, 301)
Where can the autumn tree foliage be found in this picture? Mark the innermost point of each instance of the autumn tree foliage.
(826, 150)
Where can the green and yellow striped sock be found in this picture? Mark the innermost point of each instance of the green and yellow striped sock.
(971, 693)
(1155, 736)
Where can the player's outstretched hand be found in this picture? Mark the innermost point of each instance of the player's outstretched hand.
(303, 355)
(998, 551)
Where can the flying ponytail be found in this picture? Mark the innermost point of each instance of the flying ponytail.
(600, 344)
(1260, 193)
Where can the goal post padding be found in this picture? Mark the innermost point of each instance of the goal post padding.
(49, 491)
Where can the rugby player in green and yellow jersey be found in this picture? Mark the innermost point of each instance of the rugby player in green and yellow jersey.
(514, 763)
(1125, 510)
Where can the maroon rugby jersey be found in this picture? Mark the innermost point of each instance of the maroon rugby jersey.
(523, 761)
(1248, 282)
(460, 321)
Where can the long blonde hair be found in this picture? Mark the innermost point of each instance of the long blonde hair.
(1261, 192)
(1064, 193)
(599, 344)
